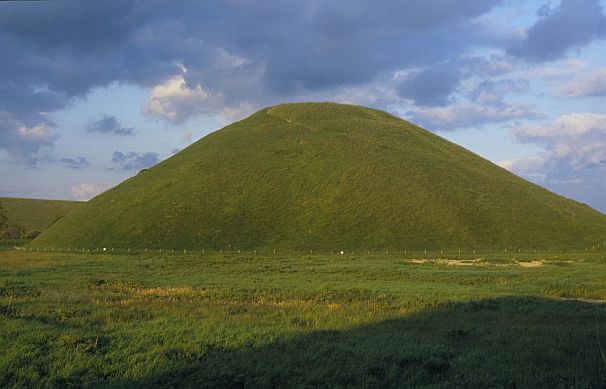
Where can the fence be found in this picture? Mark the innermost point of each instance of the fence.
(429, 253)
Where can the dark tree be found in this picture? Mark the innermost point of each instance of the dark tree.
(3, 217)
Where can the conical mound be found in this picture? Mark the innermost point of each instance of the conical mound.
(326, 176)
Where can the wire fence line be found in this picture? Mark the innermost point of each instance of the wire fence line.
(599, 247)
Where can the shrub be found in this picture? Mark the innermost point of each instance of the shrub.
(13, 232)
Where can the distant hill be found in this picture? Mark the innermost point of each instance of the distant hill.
(326, 176)
(34, 214)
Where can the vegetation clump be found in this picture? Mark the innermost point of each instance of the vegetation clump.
(3, 217)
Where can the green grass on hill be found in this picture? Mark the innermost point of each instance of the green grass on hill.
(327, 176)
(35, 214)
(302, 321)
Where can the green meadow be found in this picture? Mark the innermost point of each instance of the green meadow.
(302, 320)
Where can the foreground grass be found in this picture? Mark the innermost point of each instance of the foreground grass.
(252, 320)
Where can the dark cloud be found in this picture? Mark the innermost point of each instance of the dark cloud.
(433, 85)
(68, 48)
(340, 43)
(74, 163)
(483, 104)
(60, 50)
(65, 47)
(574, 23)
(231, 56)
(109, 124)
(69, 25)
(134, 161)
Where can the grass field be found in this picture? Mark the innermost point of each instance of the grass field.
(245, 320)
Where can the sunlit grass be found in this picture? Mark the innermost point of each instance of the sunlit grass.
(256, 320)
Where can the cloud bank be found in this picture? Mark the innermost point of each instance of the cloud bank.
(444, 63)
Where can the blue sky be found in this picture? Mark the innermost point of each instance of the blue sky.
(91, 92)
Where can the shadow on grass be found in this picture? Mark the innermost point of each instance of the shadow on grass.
(505, 342)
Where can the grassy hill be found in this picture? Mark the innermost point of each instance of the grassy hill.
(34, 214)
(326, 176)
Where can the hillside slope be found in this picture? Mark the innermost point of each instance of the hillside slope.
(326, 176)
(35, 214)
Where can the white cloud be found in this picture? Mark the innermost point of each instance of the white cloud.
(467, 114)
(529, 167)
(40, 131)
(526, 164)
(587, 84)
(566, 125)
(586, 185)
(564, 68)
(576, 140)
(86, 191)
(573, 162)
(176, 102)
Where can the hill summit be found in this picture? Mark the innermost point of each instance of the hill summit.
(326, 176)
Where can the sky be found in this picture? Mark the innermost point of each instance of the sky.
(91, 92)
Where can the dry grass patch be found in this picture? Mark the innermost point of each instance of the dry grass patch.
(450, 262)
(530, 263)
